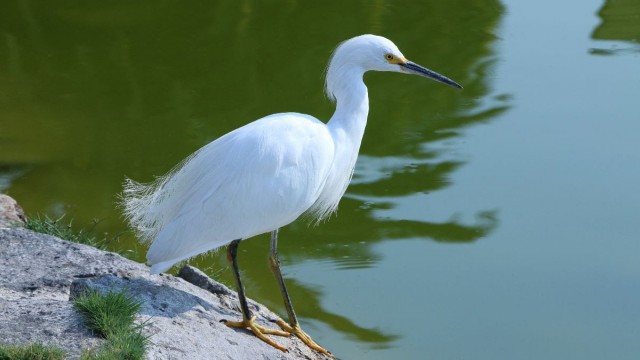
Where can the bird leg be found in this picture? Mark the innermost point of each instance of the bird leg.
(248, 319)
(293, 327)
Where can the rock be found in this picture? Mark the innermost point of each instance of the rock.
(11, 214)
(201, 280)
(41, 274)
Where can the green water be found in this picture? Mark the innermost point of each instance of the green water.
(500, 222)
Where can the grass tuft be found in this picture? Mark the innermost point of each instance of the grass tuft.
(63, 230)
(108, 313)
(35, 351)
(130, 345)
(112, 316)
(46, 225)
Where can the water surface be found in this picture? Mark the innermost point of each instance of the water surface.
(499, 222)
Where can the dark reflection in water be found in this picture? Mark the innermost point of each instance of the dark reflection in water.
(620, 22)
(337, 322)
(91, 92)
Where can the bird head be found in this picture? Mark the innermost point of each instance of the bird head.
(372, 52)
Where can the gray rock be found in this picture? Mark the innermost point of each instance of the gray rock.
(201, 280)
(41, 273)
(11, 214)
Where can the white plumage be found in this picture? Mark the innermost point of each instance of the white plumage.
(267, 173)
(245, 183)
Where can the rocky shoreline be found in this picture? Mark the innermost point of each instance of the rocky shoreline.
(39, 274)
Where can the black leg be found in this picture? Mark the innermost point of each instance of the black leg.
(248, 319)
(293, 327)
(274, 263)
(232, 257)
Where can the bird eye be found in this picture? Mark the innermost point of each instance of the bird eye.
(388, 57)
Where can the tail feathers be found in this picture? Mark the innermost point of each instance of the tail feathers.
(167, 245)
(176, 243)
(162, 266)
(140, 203)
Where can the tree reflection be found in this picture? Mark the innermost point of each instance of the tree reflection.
(619, 23)
(313, 310)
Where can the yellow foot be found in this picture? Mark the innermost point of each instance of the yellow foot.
(297, 331)
(259, 331)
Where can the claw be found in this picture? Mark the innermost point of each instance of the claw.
(297, 331)
(259, 331)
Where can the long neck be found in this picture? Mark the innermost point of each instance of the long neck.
(352, 107)
(347, 128)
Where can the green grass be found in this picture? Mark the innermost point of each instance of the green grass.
(35, 351)
(111, 315)
(46, 225)
(65, 230)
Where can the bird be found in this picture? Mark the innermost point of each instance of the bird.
(264, 175)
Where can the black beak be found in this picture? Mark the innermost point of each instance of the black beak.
(413, 68)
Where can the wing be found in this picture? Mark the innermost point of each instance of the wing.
(250, 181)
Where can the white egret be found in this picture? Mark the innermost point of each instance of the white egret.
(264, 175)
